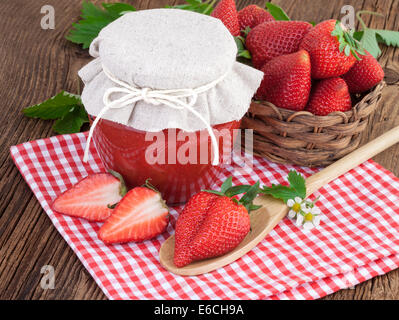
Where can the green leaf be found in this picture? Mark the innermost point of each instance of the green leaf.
(215, 192)
(93, 19)
(242, 52)
(297, 182)
(71, 122)
(297, 188)
(237, 190)
(118, 9)
(369, 42)
(226, 185)
(277, 12)
(250, 195)
(388, 37)
(195, 6)
(280, 192)
(347, 42)
(122, 188)
(55, 107)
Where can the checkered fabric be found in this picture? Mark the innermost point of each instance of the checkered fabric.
(358, 237)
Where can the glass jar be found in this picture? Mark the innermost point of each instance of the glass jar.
(178, 163)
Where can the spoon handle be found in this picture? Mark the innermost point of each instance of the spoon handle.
(352, 160)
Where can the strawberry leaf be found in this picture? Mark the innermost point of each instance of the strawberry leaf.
(66, 107)
(237, 190)
(297, 182)
(280, 192)
(122, 188)
(277, 12)
(71, 122)
(297, 188)
(55, 107)
(369, 42)
(250, 195)
(371, 37)
(227, 184)
(388, 37)
(94, 19)
(242, 52)
(196, 6)
(347, 42)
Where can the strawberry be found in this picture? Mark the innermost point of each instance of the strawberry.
(364, 74)
(286, 82)
(329, 95)
(91, 196)
(140, 215)
(253, 15)
(188, 223)
(226, 224)
(332, 49)
(226, 11)
(273, 39)
(213, 224)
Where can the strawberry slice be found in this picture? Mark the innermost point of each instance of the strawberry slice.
(91, 196)
(140, 215)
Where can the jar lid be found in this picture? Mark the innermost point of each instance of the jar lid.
(165, 48)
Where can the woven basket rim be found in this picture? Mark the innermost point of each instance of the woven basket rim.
(285, 114)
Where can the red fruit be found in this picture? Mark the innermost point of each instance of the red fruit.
(188, 223)
(325, 56)
(273, 39)
(286, 82)
(328, 96)
(140, 215)
(227, 12)
(225, 226)
(253, 15)
(364, 74)
(90, 197)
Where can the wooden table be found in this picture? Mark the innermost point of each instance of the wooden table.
(36, 64)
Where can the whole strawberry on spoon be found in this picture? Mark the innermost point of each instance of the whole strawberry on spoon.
(213, 223)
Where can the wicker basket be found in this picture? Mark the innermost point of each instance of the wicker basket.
(302, 138)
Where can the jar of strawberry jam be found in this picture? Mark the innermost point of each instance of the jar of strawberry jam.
(166, 96)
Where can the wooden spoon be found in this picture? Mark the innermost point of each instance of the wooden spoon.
(266, 218)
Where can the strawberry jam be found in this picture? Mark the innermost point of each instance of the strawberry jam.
(178, 163)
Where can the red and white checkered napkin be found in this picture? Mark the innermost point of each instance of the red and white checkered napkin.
(357, 239)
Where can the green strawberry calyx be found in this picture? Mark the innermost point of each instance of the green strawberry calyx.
(347, 43)
(250, 192)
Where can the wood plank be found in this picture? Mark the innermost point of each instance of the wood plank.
(37, 64)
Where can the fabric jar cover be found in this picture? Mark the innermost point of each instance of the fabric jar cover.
(169, 49)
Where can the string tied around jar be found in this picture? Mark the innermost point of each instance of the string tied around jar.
(179, 99)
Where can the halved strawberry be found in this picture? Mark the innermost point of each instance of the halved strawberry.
(142, 214)
(91, 196)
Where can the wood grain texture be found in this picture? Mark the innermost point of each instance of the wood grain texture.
(36, 64)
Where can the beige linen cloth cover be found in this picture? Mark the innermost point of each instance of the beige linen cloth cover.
(164, 49)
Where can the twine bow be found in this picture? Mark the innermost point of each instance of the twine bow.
(179, 99)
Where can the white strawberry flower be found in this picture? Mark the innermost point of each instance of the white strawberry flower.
(296, 205)
(312, 218)
(305, 213)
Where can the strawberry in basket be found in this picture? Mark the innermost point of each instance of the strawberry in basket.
(287, 81)
(364, 74)
(226, 11)
(252, 15)
(273, 39)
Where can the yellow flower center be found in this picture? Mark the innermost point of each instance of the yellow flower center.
(308, 217)
(296, 207)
